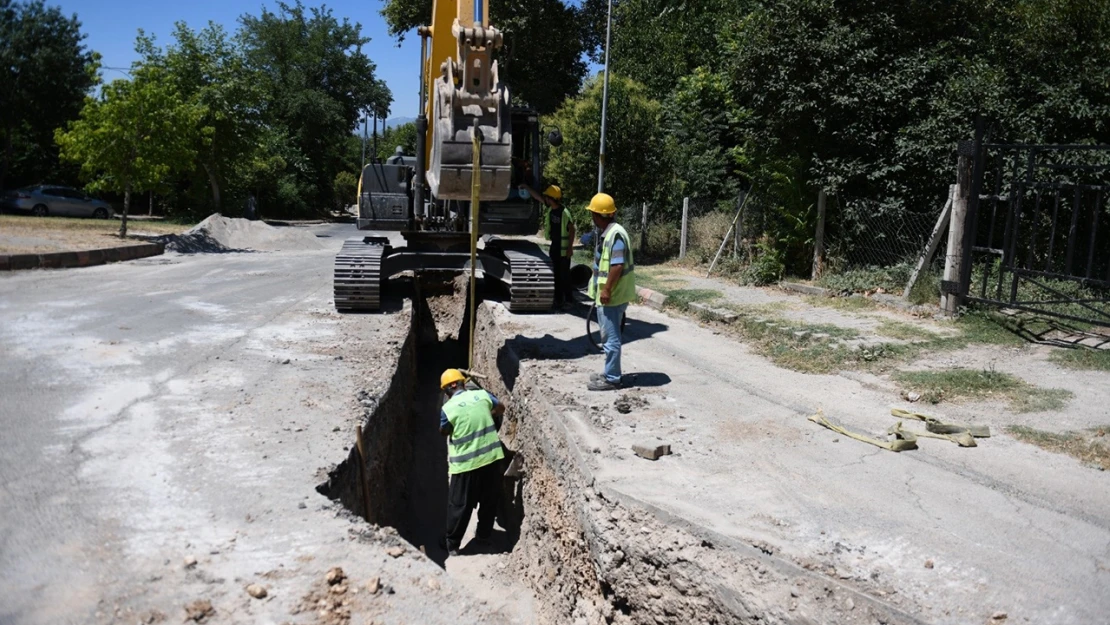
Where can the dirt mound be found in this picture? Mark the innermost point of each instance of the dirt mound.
(224, 234)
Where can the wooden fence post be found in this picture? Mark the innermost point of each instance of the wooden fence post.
(931, 247)
(819, 238)
(685, 218)
(953, 261)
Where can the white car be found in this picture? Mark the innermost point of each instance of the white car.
(43, 200)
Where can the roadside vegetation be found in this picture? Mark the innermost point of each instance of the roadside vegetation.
(1090, 446)
(1082, 358)
(955, 385)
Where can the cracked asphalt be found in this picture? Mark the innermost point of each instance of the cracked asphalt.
(165, 424)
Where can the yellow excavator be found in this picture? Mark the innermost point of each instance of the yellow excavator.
(465, 116)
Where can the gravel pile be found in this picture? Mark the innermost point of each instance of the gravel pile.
(224, 234)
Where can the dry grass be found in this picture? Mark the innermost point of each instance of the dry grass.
(1089, 446)
(35, 235)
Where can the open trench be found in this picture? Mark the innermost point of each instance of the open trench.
(569, 549)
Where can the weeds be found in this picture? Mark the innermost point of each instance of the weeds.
(1082, 358)
(904, 331)
(1088, 446)
(682, 298)
(982, 385)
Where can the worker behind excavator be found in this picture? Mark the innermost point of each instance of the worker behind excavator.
(470, 419)
(612, 287)
(561, 232)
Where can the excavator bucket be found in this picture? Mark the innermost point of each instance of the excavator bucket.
(469, 98)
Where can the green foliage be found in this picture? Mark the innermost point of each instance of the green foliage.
(1082, 358)
(868, 279)
(315, 82)
(208, 70)
(45, 72)
(767, 267)
(634, 154)
(983, 385)
(345, 187)
(542, 57)
(403, 136)
(133, 137)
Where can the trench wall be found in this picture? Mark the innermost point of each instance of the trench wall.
(595, 556)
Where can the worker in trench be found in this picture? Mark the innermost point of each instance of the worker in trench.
(560, 230)
(470, 419)
(612, 287)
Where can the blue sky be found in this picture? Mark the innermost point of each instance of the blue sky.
(111, 26)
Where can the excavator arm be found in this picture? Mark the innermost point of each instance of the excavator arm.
(465, 96)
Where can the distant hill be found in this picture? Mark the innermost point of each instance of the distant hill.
(393, 122)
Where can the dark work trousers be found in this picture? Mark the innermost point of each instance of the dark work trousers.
(479, 488)
(561, 265)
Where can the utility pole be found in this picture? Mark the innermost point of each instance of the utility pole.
(364, 120)
(604, 102)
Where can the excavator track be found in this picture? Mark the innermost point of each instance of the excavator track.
(358, 274)
(532, 287)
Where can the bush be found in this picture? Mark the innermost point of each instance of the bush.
(868, 279)
(345, 187)
(663, 240)
(706, 233)
(768, 265)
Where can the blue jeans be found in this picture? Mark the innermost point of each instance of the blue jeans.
(609, 321)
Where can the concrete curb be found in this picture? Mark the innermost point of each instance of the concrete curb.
(805, 289)
(652, 299)
(84, 258)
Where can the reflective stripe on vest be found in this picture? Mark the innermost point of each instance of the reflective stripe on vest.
(473, 443)
(625, 290)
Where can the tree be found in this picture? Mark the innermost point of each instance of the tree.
(634, 166)
(403, 136)
(208, 70)
(315, 82)
(132, 137)
(46, 73)
(545, 41)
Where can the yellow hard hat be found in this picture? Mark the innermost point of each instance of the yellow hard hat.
(553, 192)
(449, 377)
(602, 204)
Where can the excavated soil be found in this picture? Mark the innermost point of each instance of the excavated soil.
(589, 555)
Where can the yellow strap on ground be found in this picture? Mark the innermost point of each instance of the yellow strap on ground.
(936, 426)
(902, 442)
(963, 439)
(475, 189)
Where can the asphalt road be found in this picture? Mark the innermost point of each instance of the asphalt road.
(178, 407)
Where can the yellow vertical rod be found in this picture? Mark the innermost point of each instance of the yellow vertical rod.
(475, 189)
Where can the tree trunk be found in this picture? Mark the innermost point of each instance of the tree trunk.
(7, 162)
(215, 184)
(126, 207)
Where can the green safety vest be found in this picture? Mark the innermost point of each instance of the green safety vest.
(626, 287)
(564, 223)
(473, 443)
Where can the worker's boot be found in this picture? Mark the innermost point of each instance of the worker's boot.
(603, 384)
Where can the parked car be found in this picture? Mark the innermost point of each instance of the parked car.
(43, 200)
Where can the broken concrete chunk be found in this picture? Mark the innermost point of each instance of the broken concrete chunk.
(335, 575)
(190, 561)
(374, 585)
(395, 552)
(199, 610)
(256, 591)
(651, 452)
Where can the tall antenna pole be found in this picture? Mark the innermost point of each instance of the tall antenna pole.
(604, 102)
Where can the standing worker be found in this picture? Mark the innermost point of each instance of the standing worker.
(612, 287)
(470, 420)
(560, 231)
